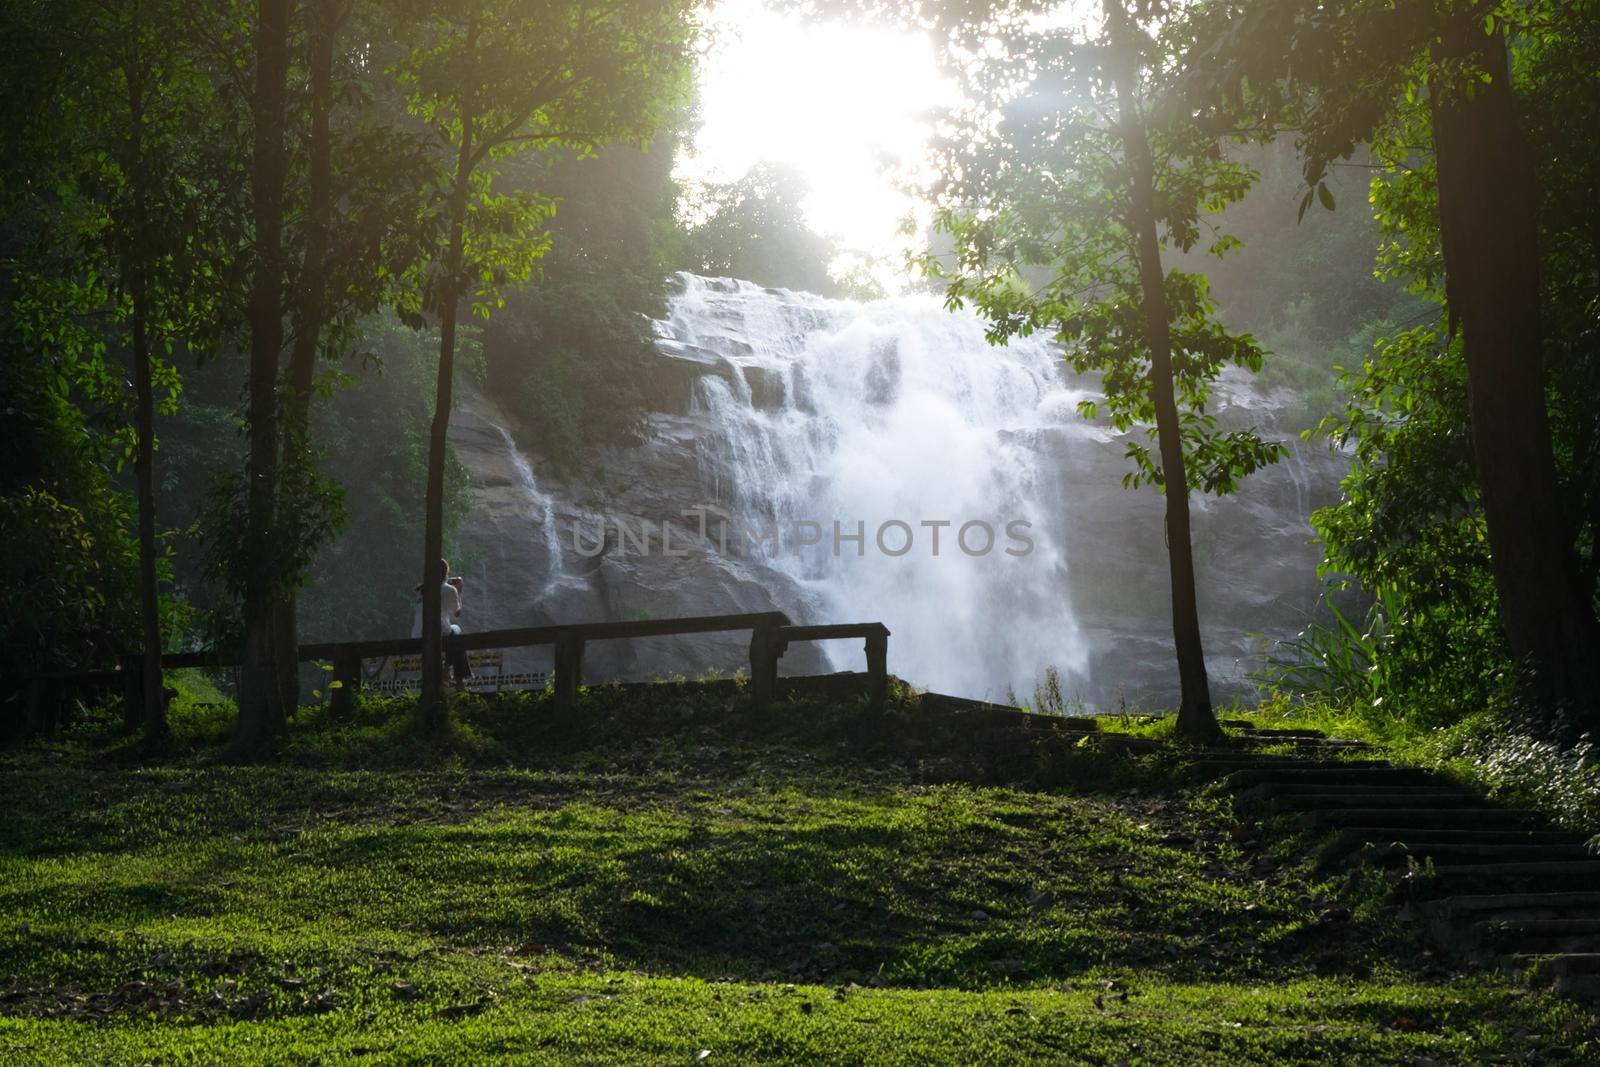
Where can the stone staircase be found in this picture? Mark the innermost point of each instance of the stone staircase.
(1490, 884)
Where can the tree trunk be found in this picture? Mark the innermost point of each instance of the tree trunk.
(152, 689)
(261, 712)
(1195, 716)
(429, 700)
(312, 315)
(1488, 231)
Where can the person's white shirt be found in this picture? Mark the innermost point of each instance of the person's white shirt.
(449, 605)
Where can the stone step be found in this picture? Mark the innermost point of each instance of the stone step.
(1333, 788)
(1320, 753)
(1024, 736)
(940, 710)
(1259, 738)
(1218, 765)
(1247, 728)
(1397, 802)
(1565, 962)
(1539, 935)
(1575, 875)
(1351, 846)
(1572, 974)
(1397, 854)
(1424, 818)
(1340, 775)
(1073, 724)
(1387, 835)
(1123, 743)
(1511, 907)
(1042, 724)
(1273, 760)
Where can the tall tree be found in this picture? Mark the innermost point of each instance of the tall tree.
(71, 563)
(136, 73)
(1339, 74)
(1194, 709)
(310, 311)
(350, 230)
(303, 496)
(125, 128)
(262, 715)
(1059, 212)
(493, 79)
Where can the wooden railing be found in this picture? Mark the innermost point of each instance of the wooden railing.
(771, 633)
(877, 648)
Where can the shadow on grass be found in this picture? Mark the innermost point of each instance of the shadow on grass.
(673, 835)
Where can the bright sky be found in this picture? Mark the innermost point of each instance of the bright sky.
(846, 105)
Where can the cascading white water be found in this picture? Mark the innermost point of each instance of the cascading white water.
(824, 411)
(541, 506)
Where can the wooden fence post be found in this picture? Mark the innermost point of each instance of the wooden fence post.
(569, 674)
(132, 693)
(878, 669)
(43, 698)
(765, 648)
(347, 673)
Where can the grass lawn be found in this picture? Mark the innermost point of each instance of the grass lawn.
(698, 894)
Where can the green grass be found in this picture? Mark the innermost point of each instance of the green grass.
(680, 885)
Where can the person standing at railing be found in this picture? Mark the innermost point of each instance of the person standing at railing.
(449, 611)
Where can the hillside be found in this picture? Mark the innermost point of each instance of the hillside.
(677, 886)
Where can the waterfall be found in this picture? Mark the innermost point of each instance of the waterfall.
(872, 415)
(541, 507)
(786, 414)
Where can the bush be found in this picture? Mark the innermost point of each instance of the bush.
(68, 581)
(1539, 774)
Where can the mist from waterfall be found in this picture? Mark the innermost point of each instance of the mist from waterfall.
(824, 411)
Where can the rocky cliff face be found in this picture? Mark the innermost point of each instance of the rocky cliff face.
(813, 419)
(525, 568)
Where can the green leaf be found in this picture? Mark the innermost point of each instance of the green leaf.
(1324, 195)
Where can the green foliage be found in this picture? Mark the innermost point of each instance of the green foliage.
(1546, 776)
(1409, 524)
(372, 432)
(1396, 663)
(495, 78)
(310, 511)
(69, 571)
(1038, 208)
(570, 353)
(376, 440)
(1411, 520)
(69, 593)
(755, 228)
(1339, 660)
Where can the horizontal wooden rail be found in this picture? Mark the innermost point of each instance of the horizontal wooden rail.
(877, 648)
(771, 635)
(568, 640)
(833, 631)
